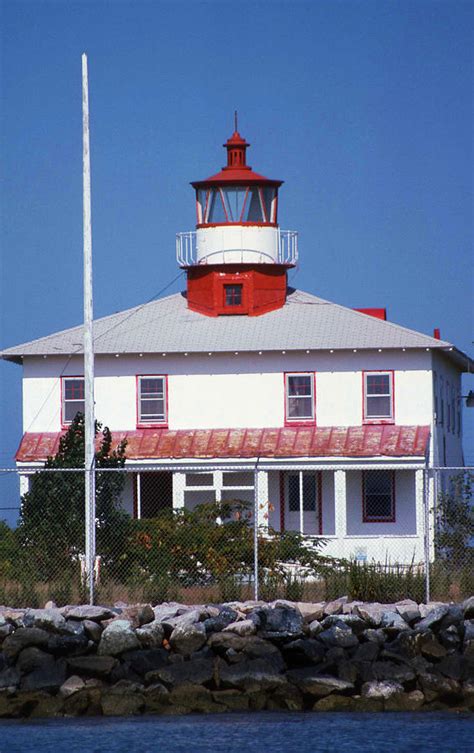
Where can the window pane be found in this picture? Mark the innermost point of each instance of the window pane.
(239, 478)
(300, 407)
(378, 384)
(253, 208)
(309, 493)
(378, 482)
(234, 198)
(216, 211)
(152, 409)
(268, 196)
(152, 387)
(378, 506)
(293, 493)
(199, 479)
(300, 385)
(232, 295)
(378, 495)
(71, 408)
(379, 407)
(74, 389)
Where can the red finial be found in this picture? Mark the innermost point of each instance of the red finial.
(236, 147)
(235, 121)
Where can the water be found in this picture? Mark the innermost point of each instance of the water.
(245, 733)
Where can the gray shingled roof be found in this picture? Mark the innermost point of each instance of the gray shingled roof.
(168, 326)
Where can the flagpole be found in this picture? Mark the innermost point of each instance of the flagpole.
(89, 421)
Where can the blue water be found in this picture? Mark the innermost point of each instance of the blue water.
(246, 733)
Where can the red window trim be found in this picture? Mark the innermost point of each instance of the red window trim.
(375, 420)
(393, 517)
(66, 424)
(150, 424)
(319, 498)
(299, 421)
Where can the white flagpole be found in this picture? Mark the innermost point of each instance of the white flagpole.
(88, 343)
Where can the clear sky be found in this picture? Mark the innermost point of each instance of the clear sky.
(364, 108)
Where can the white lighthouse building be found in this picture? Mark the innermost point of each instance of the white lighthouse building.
(338, 410)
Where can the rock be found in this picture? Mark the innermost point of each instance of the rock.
(117, 637)
(190, 617)
(243, 628)
(405, 701)
(425, 609)
(286, 697)
(123, 699)
(71, 685)
(38, 704)
(137, 614)
(5, 629)
(195, 698)
(49, 676)
(88, 612)
(435, 686)
(371, 613)
(281, 622)
(232, 700)
(348, 671)
(386, 670)
(393, 622)
(468, 630)
(93, 630)
(95, 666)
(468, 608)
(225, 617)
(252, 646)
(47, 619)
(382, 689)
(335, 607)
(374, 636)
(253, 675)
(315, 628)
(309, 681)
(156, 697)
(32, 658)
(432, 618)
(67, 645)
(341, 636)
(367, 705)
(454, 666)
(349, 607)
(408, 610)
(145, 660)
(334, 703)
(352, 621)
(151, 635)
(431, 647)
(23, 637)
(310, 611)
(9, 678)
(367, 651)
(450, 637)
(303, 651)
(187, 638)
(200, 671)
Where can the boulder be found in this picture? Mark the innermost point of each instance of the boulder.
(372, 613)
(123, 699)
(408, 610)
(47, 619)
(251, 676)
(231, 700)
(314, 628)
(145, 660)
(23, 637)
(225, 617)
(195, 698)
(71, 685)
(151, 635)
(432, 619)
(468, 608)
(48, 676)
(187, 637)
(93, 666)
(156, 697)
(339, 635)
(117, 637)
(310, 611)
(430, 647)
(310, 682)
(252, 646)
(89, 612)
(334, 703)
(352, 621)
(93, 630)
(243, 627)
(303, 651)
(405, 701)
(436, 686)
(381, 689)
(9, 678)
(335, 607)
(200, 671)
(281, 623)
(393, 622)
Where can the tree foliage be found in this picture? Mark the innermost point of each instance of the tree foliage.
(454, 521)
(51, 530)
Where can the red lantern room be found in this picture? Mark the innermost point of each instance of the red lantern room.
(237, 258)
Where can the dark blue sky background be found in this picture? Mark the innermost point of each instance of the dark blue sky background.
(365, 109)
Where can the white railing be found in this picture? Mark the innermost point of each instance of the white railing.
(286, 251)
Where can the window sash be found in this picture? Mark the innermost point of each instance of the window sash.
(73, 398)
(152, 400)
(378, 496)
(378, 395)
(300, 397)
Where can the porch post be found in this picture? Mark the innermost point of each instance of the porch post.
(340, 508)
(139, 496)
(420, 506)
(179, 480)
(261, 481)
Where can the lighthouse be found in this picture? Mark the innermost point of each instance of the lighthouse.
(237, 259)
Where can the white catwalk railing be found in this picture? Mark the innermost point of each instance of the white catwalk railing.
(287, 250)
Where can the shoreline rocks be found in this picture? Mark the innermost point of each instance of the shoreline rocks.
(177, 659)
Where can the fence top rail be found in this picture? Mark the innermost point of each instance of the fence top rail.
(251, 466)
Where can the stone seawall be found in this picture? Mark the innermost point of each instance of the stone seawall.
(176, 659)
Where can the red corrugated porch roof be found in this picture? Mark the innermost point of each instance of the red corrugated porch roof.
(315, 442)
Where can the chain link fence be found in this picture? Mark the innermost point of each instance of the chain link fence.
(227, 533)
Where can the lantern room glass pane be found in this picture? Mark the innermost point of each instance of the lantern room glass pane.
(201, 200)
(234, 197)
(216, 211)
(253, 207)
(269, 194)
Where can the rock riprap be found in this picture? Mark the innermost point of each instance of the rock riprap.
(177, 659)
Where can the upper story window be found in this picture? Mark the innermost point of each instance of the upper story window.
(441, 401)
(299, 398)
(230, 204)
(378, 396)
(72, 398)
(435, 397)
(378, 496)
(152, 402)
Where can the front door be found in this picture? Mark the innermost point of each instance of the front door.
(302, 502)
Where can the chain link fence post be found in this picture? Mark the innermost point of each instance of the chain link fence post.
(255, 534)
(426, 534)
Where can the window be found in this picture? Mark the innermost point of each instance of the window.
(299, 397)
(448, 409)
(378, 496)
(435, 397)
(232, 295)
(73, 398)
(152, 400)
(378, 395)
(309, 492)
(441, 401)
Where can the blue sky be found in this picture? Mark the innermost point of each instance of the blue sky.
(364, 108)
